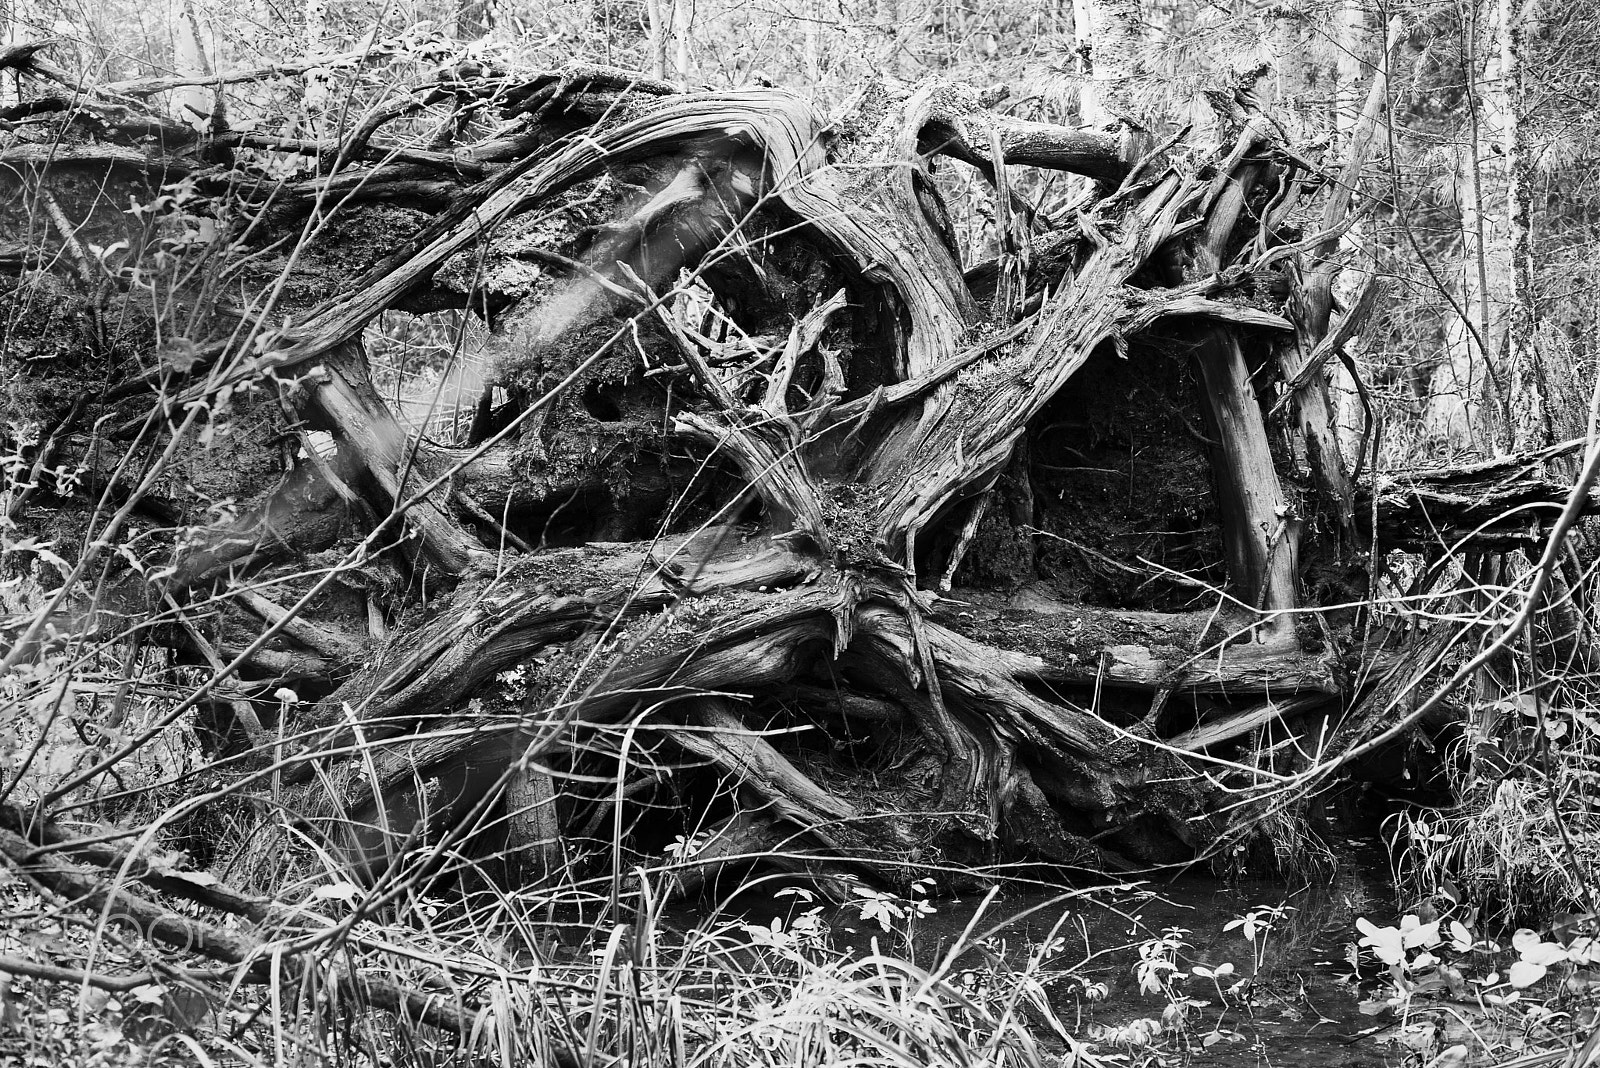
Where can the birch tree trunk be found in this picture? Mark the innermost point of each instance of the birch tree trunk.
(683, 36)
(1110, 34)
(658, 14)
(191, 104)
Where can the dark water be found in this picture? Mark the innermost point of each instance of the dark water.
(1295, 997)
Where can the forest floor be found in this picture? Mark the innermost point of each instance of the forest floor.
(1194, 971)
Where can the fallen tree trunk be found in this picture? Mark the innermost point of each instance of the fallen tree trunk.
(762, 516)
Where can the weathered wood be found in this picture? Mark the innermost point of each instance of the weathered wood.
(340, 647)
(1228, 728)
(1201, 651)
(1309, 406)
(1260, 530)
(490, 626)
(867, 425)
(1504, 503)
(367, 427)
(968, 429)
(719, 735)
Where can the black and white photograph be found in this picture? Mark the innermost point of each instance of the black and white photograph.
(799, 533)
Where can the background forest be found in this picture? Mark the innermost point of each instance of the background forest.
(810, 532)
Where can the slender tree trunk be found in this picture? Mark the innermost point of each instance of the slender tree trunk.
(810, 18)
(659, 16)
(1529, 358)
(1468, 403)
(1352, 75)
(1110, 35)
(191, 105)
(683, 34)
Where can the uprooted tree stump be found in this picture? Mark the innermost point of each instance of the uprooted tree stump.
(778, 532)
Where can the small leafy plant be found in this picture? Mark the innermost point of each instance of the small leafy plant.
(885, 908)
(1157, 967)
(1449, 956)
(1257, 925)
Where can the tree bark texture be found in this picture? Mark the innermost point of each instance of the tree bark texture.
(778, 530)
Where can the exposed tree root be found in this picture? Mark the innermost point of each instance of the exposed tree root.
(773, 305)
